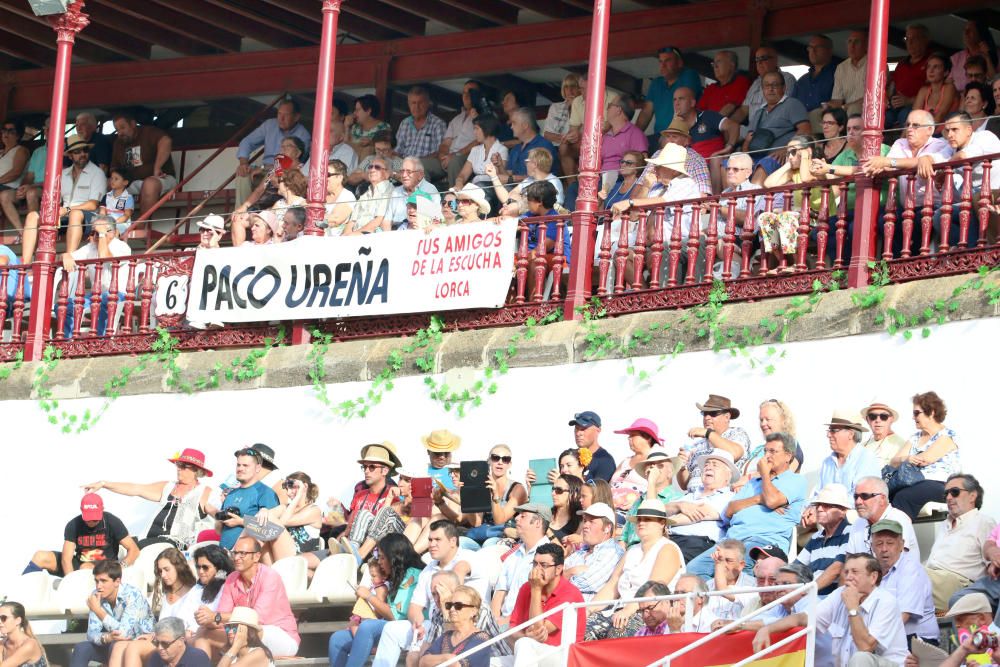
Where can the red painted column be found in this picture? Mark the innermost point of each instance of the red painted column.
(42, 272)
(866, 205)
(590, 162)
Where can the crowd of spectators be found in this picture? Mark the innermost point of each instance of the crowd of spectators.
(712, 514)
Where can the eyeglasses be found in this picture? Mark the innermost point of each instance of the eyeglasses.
(878, 416)
(829, 122)
(628, 163)
(917, 413)
(243, 554)
(164, 645)
(377, 167)
(737, 168)
(408, 171)
(649, 608)
(9, 130)
(558, 490)
(535, 563)
(371, 467)
(204, 568)
(866, 496)
(762, 59)
(496, 458)
(836, 429)
(953, 492)
(458, 606)
(466, 201)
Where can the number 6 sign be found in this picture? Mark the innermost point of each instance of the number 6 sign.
(171, 295)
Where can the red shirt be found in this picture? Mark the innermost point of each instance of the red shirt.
(564, 592)
(910, 77)
(716, 96)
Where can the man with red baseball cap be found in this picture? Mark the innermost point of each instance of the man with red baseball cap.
(93, 536)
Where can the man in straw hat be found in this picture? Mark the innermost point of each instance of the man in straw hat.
(694, 517)
(903, 577)
(883, 443)
(83, 187)
(969, 614)
(440, 445)
(716, 432)
(667, 179)
(825, 551)
(848, 462)
(370, 514)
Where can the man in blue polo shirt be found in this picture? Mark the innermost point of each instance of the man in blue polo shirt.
(660, 96)
(525, 128)
(815, 88)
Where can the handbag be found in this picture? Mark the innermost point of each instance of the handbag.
(905, 475)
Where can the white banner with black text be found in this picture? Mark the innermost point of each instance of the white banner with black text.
(451, 268)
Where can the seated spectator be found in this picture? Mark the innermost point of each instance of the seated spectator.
(977, 70)
(569, 148)
(411, 180)
(654, 613)
(268, 134)
(421, 133)
(532, 521)
(729, 557)
(846, 164)
(30, 189)
(371, 516)
(660, 95)
(848, 460)
(765, 59)
(525, 129)
(339, 148)
(883, 442)
(834, 132)
(486, 150)
(546, 588)
(702, 618)
(175, 595)
(772, 124)
(621, 136)
(908, 77)
(463, 611)
(118, 614)
(212, 565)
(779, 231)
(20, 647)
(293, 223)
(968, 615)
(472, 204)
(83, 185)
(539, 167)
(737, 170)
(627, 484)
(103, 243)
(383, 145)
(144, 152)
(91, 537)
(629, 168)
(400, 565)
(864, 620)
(118, 203)
(440, 446)
(263, 226)
(957, 557)
(727, 93)
(459, 138)
(711, 134)
(595, 491)
(815, 88)
(541, 199)
(170, 649)
(87, 128)
(987, 584)
(302, 519)
(245, 637)
(849, 77)
(372, 212)
(695, 516)
(247, 499)
(964, 142)
(773, 571)
(679, 133)
(339, 200)
(591, 565)
(871, 500)
(423, 213)
(658, 470)
(295, 150)
(364, 125)
(978, 43)
(906, 581)
(445, 556)
(557, 120)
(716, 432)
(753, 513)
(774, 416)
(184, 502)
(14, 156)
(565, 523)
(505, 496)
(978, 102)
(933, 449)
(825, 552)
(937, 96)
(654, 557)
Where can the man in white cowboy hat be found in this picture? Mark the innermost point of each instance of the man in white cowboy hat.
(848, 461)
(694, 517)
(658, 469)
(83, 187)
(883, 443)
(906, 581)
(826, 550)
(591, 565)
(368, 516)
(211, 229)
(716, 432)
(440, 445)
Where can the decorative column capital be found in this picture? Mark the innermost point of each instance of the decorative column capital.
(67, 25)
(332, 5)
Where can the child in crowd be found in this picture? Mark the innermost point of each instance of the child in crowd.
(118, 203)
(380, 589)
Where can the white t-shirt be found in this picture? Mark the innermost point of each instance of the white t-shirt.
(118, 248)
(91, 184)
(478, 159)
(981, 143)
(345, 197)
(422, 594)
(184, 608)
(117, 204)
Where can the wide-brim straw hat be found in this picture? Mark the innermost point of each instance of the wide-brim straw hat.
(390, 450)
(651, 507)
(719, 455)
(376, 454)
(877, 404)
(244, 616)
(672, 156)
(654, 456)
(846, 419)
(476, 194)
(441, 440)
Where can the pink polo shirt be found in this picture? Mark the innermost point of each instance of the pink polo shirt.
(615, 144)
(265, 595)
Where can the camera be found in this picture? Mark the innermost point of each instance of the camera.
(480, 103)
(228, 513)
(985, 641)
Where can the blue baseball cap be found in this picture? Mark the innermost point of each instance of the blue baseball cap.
(586, 419)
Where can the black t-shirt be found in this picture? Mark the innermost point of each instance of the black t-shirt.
(602, 466)
(98, 543)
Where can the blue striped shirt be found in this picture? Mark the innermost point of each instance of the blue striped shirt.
(600, 559)
(821, 552)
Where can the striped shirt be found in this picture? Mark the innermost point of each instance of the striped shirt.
(600, 559)
(821, 552)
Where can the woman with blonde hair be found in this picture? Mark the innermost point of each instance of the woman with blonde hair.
(505, 495)
(462, 613)
(20, 647)
(774, 417)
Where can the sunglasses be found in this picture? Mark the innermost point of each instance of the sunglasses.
(3, 618)
(466, 201)
(371, 467)
(458, 606)
(9, 130)
(866, 496)
(164, 645)
(762, 59)
(953, 492)
(288, 485)
(204, 568)
(917, 413)
(186, 466)
(558, 490)
(878, 416)
(496, 458)
(836, 429)
(711, 413)
(376, 167)
(232, 628)
(628, 163)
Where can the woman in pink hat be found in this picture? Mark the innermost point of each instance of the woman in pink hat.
(627, 484)
(183, 502)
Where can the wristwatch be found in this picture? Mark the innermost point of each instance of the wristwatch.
(218, 619)
(892, 163)
(852, 612)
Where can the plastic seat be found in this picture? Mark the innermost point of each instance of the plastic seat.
(487, 567)
(146, 562)
(199, 545)
(333, 579)
(294, 572)
(133, 576)
(36, 591)
(73, 591)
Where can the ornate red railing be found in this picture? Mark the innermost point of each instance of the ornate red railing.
(644, 261)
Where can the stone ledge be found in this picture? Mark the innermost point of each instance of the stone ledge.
(462, 352)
